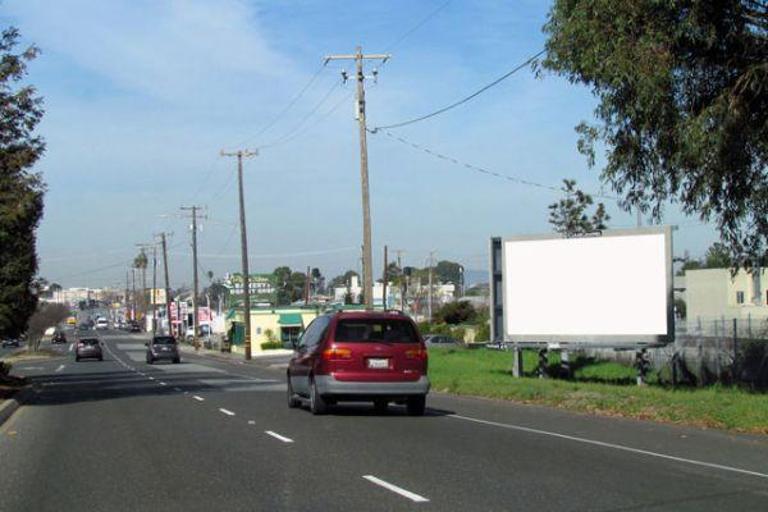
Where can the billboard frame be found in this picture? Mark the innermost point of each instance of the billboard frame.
(498, 286)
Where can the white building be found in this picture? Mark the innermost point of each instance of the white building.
(714, 295)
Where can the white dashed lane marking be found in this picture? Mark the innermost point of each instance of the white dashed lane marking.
(227, 412)
(278, 436)
(399, 490)
(198, 398)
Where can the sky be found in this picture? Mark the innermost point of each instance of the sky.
(142, 95)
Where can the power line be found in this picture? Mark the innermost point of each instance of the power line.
(416, 27)
(290, 104)
(289, 135)
(463, 100)
(317, 121)
(477, 168)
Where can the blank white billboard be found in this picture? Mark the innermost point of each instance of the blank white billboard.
(603, 286)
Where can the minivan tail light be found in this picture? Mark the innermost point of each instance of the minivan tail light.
(418, 353)
(335, 353)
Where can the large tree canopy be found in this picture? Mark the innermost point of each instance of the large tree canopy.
(683, 104)
(21, 190)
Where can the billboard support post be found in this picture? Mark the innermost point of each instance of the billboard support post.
(517, 361)
(543, 361)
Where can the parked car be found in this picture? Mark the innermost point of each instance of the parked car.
(88, 348)
(203, 331)
(11, 342)
(440, 339)
(360, 356)
(163, 347)
(59, 337)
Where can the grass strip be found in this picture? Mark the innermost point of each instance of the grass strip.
(487, 373)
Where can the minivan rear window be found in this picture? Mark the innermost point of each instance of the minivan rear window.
(164, 340)
(375, 330)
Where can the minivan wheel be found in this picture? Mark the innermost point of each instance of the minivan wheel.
(293, 400)
(416, 405)
(316, 402)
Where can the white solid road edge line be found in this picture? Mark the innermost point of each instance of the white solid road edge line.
(611, 445)
(399, 490)
(278, 436)
(198, 398)
(227, 412)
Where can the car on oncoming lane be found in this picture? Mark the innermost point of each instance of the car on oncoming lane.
(163, 347)
(374, 357)
(440, 340)
(88, 348)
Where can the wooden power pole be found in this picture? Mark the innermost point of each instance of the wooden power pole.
(195, 281)
(359, 57)
(240, 154)
(167, 283)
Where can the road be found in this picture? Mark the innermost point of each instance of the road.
(211, 434)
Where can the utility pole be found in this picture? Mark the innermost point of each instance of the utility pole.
(127, 291)
(167, 283)
(307, 291)
(194, 215)
(144, 295)
(154, 290)
(240, 154)
(133, 294)
(384, 286)
(359, 57)
(399, 253)
(431, 264)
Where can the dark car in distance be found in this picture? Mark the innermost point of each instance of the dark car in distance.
(439, 339)
(163, 347)
(59, 337)
(11, 342)
(134, 327)
(376, 357)
(88, 348)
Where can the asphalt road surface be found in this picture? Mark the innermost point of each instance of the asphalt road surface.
(217, 435)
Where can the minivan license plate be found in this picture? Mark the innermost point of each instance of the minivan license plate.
(378, 363)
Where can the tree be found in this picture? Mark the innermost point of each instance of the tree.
(317, 281)
(21, 190)
(569, 216)
(448, 272)
(343, 279)
(289, 285)
(717, 256)
(458, 312)
(683, 105)
(46, 315)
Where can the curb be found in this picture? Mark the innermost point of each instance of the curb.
(11, 405)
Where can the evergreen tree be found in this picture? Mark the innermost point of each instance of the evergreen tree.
(21, 189)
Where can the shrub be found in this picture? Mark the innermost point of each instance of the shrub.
(271, 345)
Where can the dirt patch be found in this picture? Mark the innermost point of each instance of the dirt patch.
(25, 355)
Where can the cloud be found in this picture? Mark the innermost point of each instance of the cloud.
(178, 50)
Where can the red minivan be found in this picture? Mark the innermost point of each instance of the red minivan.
(358, 357)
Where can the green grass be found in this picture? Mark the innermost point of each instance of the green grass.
(601, 388)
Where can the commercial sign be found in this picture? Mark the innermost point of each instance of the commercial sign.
(262, 287)
(610, 288)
